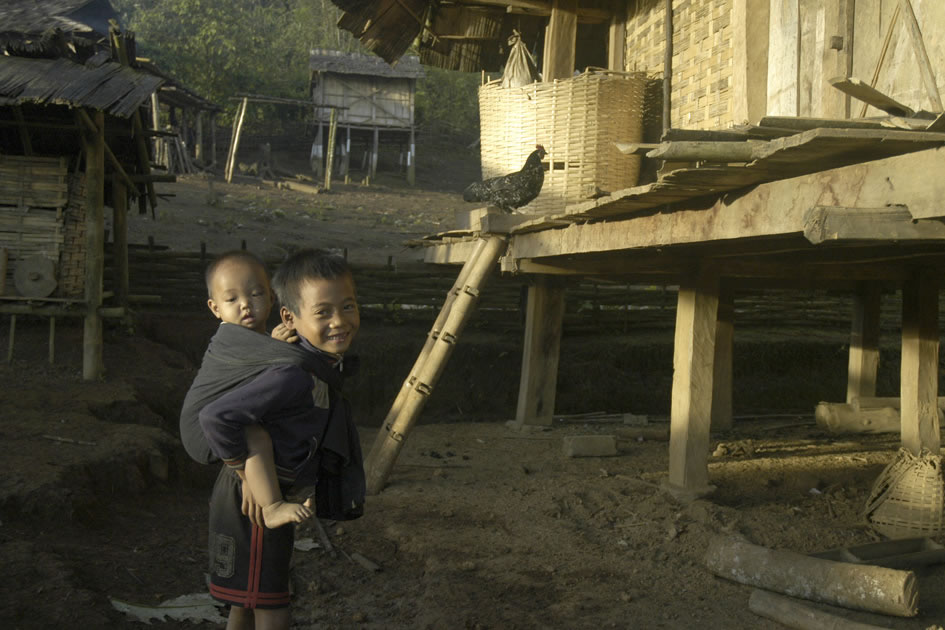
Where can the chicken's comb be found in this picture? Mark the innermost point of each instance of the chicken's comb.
(538, 146)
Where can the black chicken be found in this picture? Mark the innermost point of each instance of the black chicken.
(513, 190)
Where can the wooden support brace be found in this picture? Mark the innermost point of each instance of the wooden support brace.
(870, 95)
(722, 368)
(544, 319)
(382, 457)
(330, 156)
(693, 363)
(919, 369)
(825, 223)
(94, 147)
(235, 140)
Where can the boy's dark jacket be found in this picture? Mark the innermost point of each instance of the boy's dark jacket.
(237, 355)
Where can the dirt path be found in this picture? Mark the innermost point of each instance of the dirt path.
(481, 526)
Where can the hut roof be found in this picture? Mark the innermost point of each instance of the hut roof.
(321, 60)
(36, 16)
(98, 83)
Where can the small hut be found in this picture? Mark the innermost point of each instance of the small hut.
(372, 101)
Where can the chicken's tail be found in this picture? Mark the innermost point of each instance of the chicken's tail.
(474, 192)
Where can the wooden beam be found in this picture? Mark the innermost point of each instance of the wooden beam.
(693, 363)
(544, 318)
(919, 369)
(784, 58)
(560, 41)
(863, 363)
(120, 238)
(667, 65)
(616, 40)
(694, 151)
(119, 170)
(893, 223)
(94, 147)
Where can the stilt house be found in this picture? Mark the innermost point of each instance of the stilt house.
(799, 147)
(371, 101)
(72, 140)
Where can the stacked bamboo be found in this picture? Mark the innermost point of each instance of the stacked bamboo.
(33, 182)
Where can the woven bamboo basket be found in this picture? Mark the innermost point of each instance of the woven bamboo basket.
(908, 497)
(578, 121)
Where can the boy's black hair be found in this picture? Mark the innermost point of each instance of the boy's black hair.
(233, 254)
(303, 265)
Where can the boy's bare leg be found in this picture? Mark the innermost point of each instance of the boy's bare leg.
(272, 619)
(264, 484)
(240, 619)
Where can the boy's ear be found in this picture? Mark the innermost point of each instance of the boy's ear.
(213, 308)
(287, 317)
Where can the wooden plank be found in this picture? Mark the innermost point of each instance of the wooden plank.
(863, 363)
(684, 151)
(783, 57)
(893, 223)
(919, 369)
(560, 41)
(860, 90)
(693, 362)
(544, 318)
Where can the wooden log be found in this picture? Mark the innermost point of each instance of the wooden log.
(868, 402)
(848, 418)
(825, 223)
(94, 147)
(856, 586)
(330, 156)
(793, 614)
(693, 151)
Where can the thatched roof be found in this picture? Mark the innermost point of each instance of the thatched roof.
(467, 35)
(37, 16)
(321, 60)
(98, 83)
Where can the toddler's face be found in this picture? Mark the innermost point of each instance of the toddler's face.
(328, 317)
(241, 295)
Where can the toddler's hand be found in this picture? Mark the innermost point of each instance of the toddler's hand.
(282, 333)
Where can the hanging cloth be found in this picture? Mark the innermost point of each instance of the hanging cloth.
(520, 69)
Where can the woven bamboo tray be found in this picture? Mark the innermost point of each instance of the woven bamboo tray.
(578, 121)
(908, 497)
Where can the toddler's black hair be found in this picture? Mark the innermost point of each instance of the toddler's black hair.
(234, 254)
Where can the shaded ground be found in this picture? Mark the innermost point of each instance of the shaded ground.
(481, 526)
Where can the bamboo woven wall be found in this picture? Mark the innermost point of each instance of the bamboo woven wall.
(577, 120)
(703, 56)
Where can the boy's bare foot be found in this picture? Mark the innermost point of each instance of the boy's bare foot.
(282, 513)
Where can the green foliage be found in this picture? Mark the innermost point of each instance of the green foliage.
(448, 101)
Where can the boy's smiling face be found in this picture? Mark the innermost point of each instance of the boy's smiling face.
(241, 294)
(328, 314)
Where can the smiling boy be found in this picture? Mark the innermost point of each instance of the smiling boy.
(314, 440)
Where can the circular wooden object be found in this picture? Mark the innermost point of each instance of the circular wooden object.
(35, 276)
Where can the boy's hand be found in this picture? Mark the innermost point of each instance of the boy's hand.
(282, 333)
(250, 508)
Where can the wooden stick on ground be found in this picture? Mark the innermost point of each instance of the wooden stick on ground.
(793, 614)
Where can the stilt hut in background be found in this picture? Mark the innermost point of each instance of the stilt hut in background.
(371, 101)
(73, 139)
(795, 152)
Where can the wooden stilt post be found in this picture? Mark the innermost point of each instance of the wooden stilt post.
(12, 337)
(693, 362)
(316, 156)
(346, 156)
(94, 146)
(330, 156)
(52, 340)
(213, 140)
(382, 457)
(235, 140)
(411, 159)
(198, 143)
(560, 41)
(374, 150)
(120, 238)
(864, 344)
(722, 370)
(544, 318)
(432, 336)
(919, 370)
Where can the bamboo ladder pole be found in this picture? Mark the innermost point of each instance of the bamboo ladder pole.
(235, 140)
(428, 369)
(330, 158)
(432, 336)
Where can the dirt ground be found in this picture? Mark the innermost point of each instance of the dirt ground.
(481, 526)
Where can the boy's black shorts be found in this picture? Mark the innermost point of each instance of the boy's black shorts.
(249, 565)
